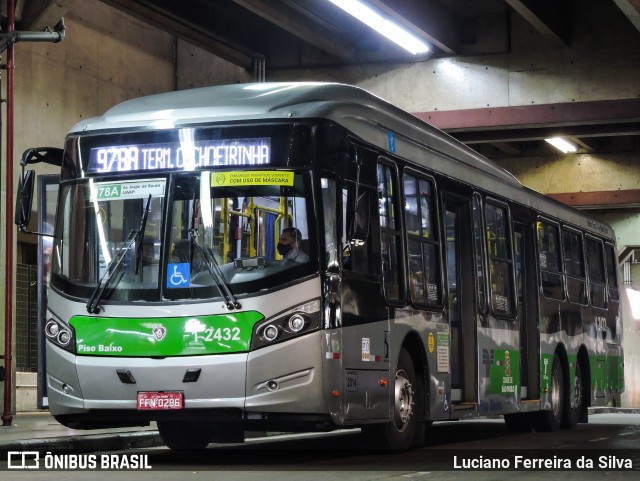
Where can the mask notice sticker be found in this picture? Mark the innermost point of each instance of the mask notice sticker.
(252, 177)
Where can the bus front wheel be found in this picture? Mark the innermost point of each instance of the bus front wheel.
(181, 436)
(398, 434)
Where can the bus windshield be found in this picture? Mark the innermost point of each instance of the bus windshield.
(225, 233)
(227, 228)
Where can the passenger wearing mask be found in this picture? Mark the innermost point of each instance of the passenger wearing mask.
(289, 246)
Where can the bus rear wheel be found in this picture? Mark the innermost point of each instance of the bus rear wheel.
(551, 420)
(181, 436)
(577, 413)
(397, 434)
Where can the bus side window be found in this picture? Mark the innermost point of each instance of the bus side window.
(356, 253)
(500, 260)
(612, 272)
(422, 240)
(330, 211)
(549, 260)
(574, 267)
(392, 265)
(597, 279)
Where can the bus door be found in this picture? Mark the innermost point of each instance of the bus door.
(526, 291)
(364, 313)
(461, 304)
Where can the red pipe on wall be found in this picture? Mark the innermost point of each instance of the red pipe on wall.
(7, 415)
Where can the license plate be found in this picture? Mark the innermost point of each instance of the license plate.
(155, 401)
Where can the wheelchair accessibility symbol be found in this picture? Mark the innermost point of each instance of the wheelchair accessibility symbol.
(178, 275)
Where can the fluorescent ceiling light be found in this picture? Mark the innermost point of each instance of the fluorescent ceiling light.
(392, 31)
(562, 145)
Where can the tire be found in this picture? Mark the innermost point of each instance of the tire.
(519, 422)
(181, 436)
(550, 421)
(579, 411)
(398, 434)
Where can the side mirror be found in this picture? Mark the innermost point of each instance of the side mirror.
(48, 155)
(24, 199)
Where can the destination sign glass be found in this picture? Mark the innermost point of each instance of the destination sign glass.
(187, 155)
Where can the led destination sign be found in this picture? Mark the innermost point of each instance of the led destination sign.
(179, 155)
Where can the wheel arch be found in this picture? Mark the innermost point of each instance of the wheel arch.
(561, 352)
(585, 368)
(416, 349)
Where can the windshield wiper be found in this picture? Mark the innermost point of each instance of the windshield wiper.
(93, 306)
(214, 269)
(212, 264)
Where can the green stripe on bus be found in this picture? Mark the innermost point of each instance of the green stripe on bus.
(607, 372)
(164, 336)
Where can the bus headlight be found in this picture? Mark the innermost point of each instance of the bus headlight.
(60, 334)
(52, 329)
(270, 333)
(64, 338)
(299, 320)
(296, 323)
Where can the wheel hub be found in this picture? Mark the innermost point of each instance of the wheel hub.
(403, 400)
(577, 390)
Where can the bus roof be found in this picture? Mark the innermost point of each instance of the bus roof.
(365, 115)
(347, 105)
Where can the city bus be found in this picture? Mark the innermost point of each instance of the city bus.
(307, 257)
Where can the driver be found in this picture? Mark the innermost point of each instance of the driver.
(289, 245)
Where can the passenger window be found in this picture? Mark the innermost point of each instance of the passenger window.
(612, 272)
(329, 208)
(595, 268)
(392, 264)
(549, 260)
(500, 260)
(357, 255)
(573, 251)
(422, 241)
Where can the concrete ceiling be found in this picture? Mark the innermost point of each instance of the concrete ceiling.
(296, 34)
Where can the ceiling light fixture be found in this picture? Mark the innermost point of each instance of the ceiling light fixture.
(562, 145)
(386, 27)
